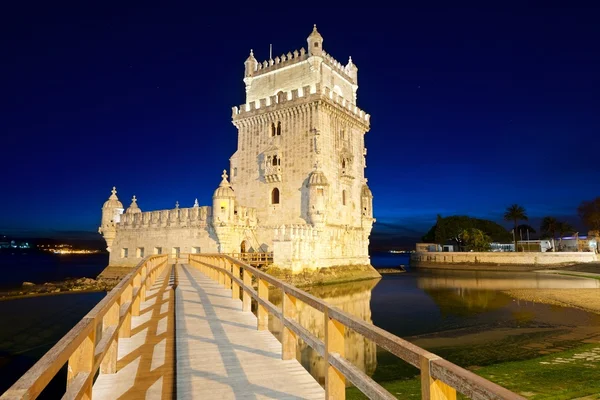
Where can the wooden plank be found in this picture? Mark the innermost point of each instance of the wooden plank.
(146, 359)
(262, 313)
(335, 382)
(289, 341)
(221, 354)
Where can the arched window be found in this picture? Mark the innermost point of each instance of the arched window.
(275, 196)
(275, 161)
(273, 131)
(278, 128)
(343, 197)
(343, 163)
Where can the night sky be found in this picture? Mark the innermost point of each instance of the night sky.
(472, 108)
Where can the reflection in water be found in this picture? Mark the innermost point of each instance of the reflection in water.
(492, 280)
(353, 298)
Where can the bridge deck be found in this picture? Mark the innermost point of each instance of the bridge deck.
(218, 352)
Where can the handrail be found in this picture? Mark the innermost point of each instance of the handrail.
(440, 379)
(256, 257)
(85, 352)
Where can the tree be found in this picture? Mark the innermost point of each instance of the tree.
(549, 228)
(475, 240)
(589, 212)
(450, 229)
(563, 228)
(523, 229)
(515, 213)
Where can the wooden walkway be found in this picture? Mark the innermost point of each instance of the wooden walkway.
(194, 342)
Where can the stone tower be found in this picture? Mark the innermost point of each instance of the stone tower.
(301, 111)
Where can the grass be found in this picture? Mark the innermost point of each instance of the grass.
(530, 378)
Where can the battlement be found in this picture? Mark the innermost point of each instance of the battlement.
(193, 216)
(309, 92)
(295, 57)
(284, 60)
(337, 66)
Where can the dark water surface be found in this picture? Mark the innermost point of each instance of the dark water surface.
(43, 267)
(460, 315)
(29, 327)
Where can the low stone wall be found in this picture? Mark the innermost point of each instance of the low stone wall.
(509, 260)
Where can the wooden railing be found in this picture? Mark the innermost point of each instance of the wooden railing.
(254, 258)
(440, 379)
(92, 344)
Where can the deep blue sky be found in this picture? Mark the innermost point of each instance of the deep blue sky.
(472, 108)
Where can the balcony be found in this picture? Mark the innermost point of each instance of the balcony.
(272, 173)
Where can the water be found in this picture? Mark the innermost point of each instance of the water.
(44, 267)
(460, 315)
(31, 326)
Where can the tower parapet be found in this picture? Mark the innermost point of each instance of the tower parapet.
(290, 98)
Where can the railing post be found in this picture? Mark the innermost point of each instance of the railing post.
(137, 283)
(126, 297)
(262, 313)
(227, 267)
(111, 319)
(335, 382)
(144, 275)
(235, 287)
(221, 272)
(288, 338)
(246, 299)
(433, 389)
(82, 360)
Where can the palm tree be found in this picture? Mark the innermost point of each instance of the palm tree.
(563, 228)
(550, 227)
(515, 213)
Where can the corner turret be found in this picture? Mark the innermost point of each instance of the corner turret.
(366, 200)
(223, 202)
(352, 71)
(111, 215)
(250, 65)
(133, 208)
(315, 43)
(318, 193)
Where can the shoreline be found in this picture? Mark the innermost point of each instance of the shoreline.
(46, 294)
(583, 299)
(68, 286)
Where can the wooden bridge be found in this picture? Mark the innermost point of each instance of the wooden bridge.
(188, 331)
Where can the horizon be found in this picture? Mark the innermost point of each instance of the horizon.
(140, 98)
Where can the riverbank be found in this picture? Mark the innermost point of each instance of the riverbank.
(78, 285)
(584, 299)
(500, 261)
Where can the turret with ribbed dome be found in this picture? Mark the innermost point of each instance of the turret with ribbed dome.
(366, 199)
(111, 214)
(223, 201)
(318, 193)
(315, 42)
(250, 65)
(133, 208)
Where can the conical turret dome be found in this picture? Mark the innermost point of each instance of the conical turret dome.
(224, 189)
(133, 208)
(113, 200)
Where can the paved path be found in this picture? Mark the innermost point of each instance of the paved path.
(195, 342)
